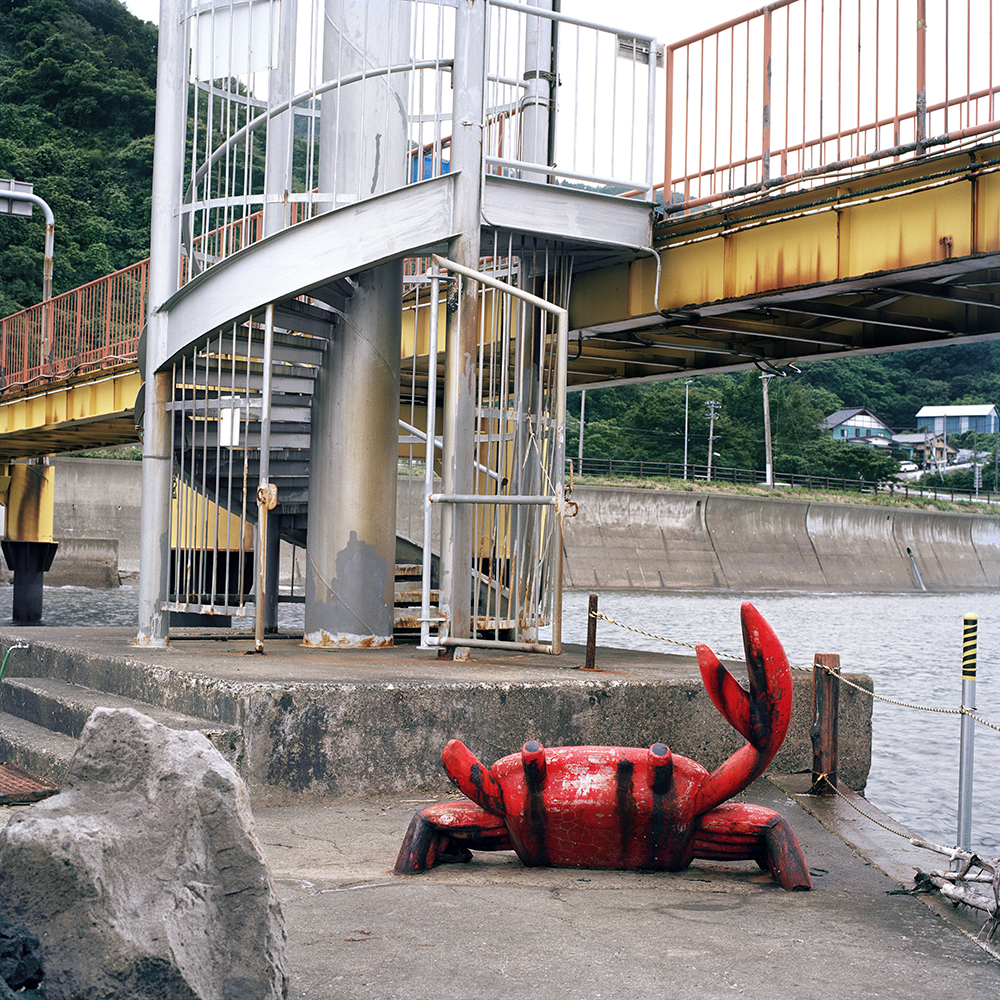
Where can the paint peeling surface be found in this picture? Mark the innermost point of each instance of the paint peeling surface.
(324, 639)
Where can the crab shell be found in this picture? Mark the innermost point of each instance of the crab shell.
(600, 807)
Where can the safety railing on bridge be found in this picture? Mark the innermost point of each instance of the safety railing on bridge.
(263, 119)
(91, 327)
(800, 89)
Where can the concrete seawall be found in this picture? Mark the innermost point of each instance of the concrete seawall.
(658, 540)
(624, 539)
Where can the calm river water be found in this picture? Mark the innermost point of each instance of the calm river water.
(911, 644)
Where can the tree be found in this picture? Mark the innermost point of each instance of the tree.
(77, 98)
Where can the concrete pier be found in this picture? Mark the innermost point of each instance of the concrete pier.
(329, 723)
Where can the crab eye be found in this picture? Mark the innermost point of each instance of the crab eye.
(660, 762)
(533, 762)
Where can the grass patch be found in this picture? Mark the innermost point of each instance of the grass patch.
(895, 499)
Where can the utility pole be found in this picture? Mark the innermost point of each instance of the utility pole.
(687, 390)
(713, 409)
(768, 466)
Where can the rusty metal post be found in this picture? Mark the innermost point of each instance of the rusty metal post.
(921, 122)
(765, 125)
(668, 144)
(826, 703)
(588, 663)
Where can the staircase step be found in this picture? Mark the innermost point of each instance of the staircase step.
(408, 569)
(408, 619)
(63, 708)
(35, 748)
(408, 593)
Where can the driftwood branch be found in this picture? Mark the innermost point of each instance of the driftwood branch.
(957, 885)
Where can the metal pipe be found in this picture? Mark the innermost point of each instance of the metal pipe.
(265, 492)
(768, 468)
(469, 100)
(966, 757)
(432, 353)
(168, 166)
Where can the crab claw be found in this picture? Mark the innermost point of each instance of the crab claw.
(472, 777)
(761, 714)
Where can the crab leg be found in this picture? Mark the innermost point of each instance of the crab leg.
(449, 832)
(760, 714)
(738, 831)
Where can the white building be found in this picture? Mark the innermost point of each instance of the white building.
(960, 418)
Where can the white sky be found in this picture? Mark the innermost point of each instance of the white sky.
(670, 22)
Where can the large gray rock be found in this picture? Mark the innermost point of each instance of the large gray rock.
(144, 878)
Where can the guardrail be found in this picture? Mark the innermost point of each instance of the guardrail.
(799, 89)
(90, 327)
(619, 468)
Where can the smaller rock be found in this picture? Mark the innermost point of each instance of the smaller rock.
(20, 957)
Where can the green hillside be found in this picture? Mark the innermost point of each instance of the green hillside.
(77, 92)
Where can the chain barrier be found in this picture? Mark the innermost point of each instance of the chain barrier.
(961, 710)
(860, 812)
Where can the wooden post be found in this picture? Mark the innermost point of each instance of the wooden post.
(588, 663)
(826, 701)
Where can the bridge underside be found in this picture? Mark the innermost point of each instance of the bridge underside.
(95, 411)
(902, 258)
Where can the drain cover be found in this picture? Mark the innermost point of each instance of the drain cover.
(17, 785)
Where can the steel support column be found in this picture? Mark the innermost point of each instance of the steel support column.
(351, 548)
(164, 269)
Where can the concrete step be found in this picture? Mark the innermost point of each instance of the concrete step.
(63, 708)
(35, 748)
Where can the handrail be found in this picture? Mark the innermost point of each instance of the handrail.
(749, 102)
(93, 326)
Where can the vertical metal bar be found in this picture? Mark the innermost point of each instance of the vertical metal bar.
(432, 352)
(562, 362)
(668, 138)
(264, 489)
(765, 138)
(967, 745)
(921, 123)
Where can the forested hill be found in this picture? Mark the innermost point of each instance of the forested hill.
(77, 92)
(647, 422)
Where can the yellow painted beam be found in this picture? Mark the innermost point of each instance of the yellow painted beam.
(885, 222)
(70, 416)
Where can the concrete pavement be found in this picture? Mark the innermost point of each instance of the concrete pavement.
(494, 929)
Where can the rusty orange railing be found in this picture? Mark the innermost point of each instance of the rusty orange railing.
(90, 327)
(800, 89)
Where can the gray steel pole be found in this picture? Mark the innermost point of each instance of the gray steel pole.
(351, 542)
(462, 324)
(687, 391)
(164, 269)
(579, 450)
(966, 756)
(768, 465)
(536, 104)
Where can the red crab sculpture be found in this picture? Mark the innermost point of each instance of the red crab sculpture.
(626, 808)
